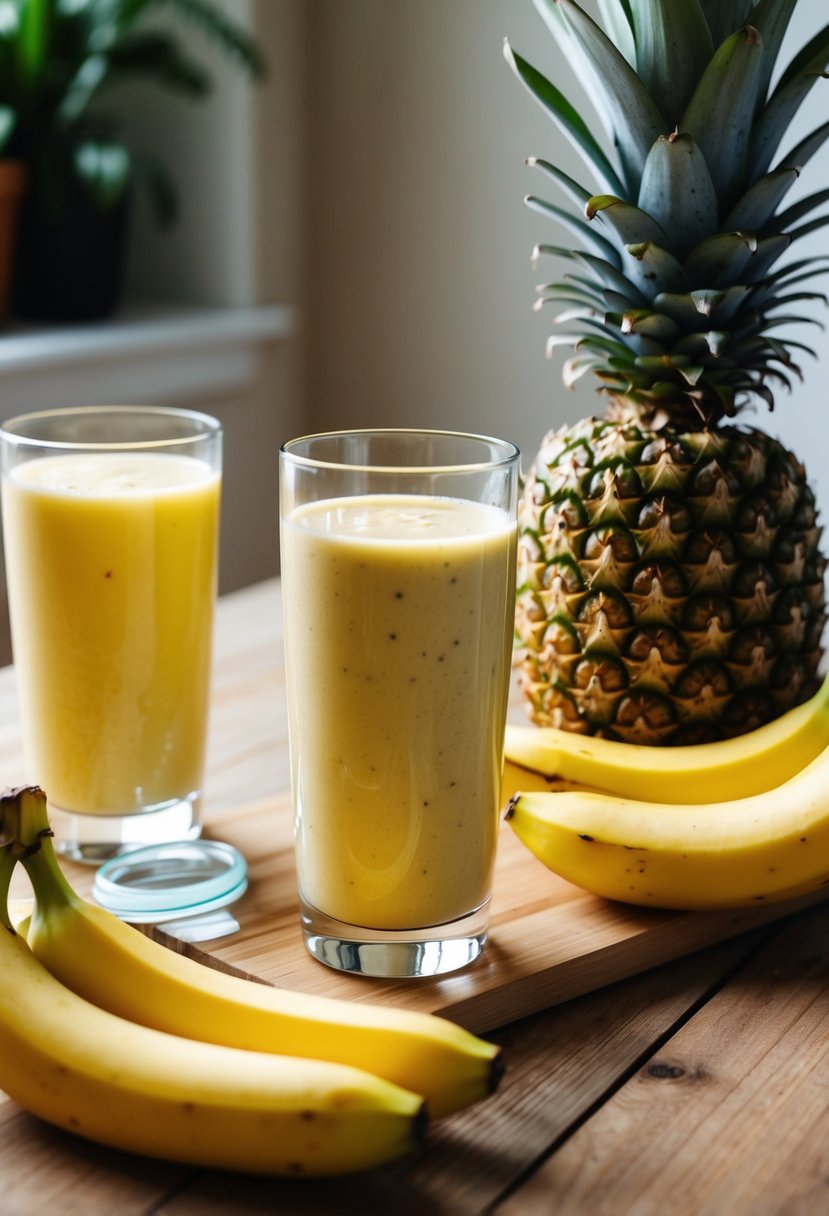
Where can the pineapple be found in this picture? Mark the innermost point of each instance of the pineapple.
(670, 576)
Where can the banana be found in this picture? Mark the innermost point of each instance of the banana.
(130, 1087)
(732, 854)
(732, 768)
(117, 968)
(516, 779)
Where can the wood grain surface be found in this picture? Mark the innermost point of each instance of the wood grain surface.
(549, 941)
(696, 1088)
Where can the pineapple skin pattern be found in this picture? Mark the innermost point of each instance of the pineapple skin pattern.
(670, 575)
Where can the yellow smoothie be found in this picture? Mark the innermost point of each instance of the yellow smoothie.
(398, 628)
(112, 570)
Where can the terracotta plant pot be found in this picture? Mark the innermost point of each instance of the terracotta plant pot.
(12, 186)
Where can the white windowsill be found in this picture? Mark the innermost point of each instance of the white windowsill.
(146, 354)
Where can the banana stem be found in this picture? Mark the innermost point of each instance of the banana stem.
(26, 835)
(51, 886)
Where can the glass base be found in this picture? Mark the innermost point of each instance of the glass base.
(97, 838)
(394, 953)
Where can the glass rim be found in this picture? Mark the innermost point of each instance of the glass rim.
(510, 452)
(211, 427)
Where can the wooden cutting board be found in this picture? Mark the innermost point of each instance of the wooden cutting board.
(549, 941)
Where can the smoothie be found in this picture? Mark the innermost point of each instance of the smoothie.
(112, 569)
(398, 669)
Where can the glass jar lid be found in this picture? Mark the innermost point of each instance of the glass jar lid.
(172, 881)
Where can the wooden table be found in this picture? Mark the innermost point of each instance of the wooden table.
(699, 1087)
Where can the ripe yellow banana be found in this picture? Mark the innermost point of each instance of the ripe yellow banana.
(739, 853)
(712, 772)
(133, 1088)
(119, 969)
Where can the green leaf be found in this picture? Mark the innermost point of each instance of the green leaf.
(651, 324)
(625, 92)
(575, 223)
(682, 307)
(576, 366)
(788, 276)
(155, 56)
(791, 344)
(7, 121)
(566, 117)
(229, 36)
(673, 47)
(654, 269)
(574, 302)
(810, 226)
(555, 251)
(792, 319)
(602, 329)
(604, 272)
(591, 342)
(721, 305)
(803, 152)
(104, 168)
(780, 352)
(797, 210)
(794, 85)
(33, 38)
(771, 19)
(696, 309)
(617, 17)
(611, 276)
(694, 345)
(774, 373)
(768, 250)
(571, 292)
(661, 363)
(629, 224)
(793, 297)
(553, 17)
(717, 341)
(719, 261)
(720, 114)
(576, 313)
(678, 193)
(81, 89)
(725, 16)
(615, 302)
(756, 207)
(810, 59)
(571, 188)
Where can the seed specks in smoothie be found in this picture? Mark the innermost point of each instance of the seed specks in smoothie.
(391, 815)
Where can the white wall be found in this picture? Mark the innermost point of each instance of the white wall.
(238, 160)
(421, 284)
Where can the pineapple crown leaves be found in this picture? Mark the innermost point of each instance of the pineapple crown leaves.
(680, 285)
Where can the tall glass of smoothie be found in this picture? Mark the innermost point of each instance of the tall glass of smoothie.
(110, 523)
(398, 561)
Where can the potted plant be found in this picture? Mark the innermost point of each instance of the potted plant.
(59, 60)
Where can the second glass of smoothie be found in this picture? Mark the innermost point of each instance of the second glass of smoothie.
(111, 522)
(398, 560)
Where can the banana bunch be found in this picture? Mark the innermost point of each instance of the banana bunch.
(711, 772)
(108, 1034)
(661, 837)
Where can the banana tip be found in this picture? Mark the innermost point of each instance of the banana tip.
(420, 1126)
(497, 1068)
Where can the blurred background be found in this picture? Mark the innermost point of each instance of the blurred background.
(351, 247)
